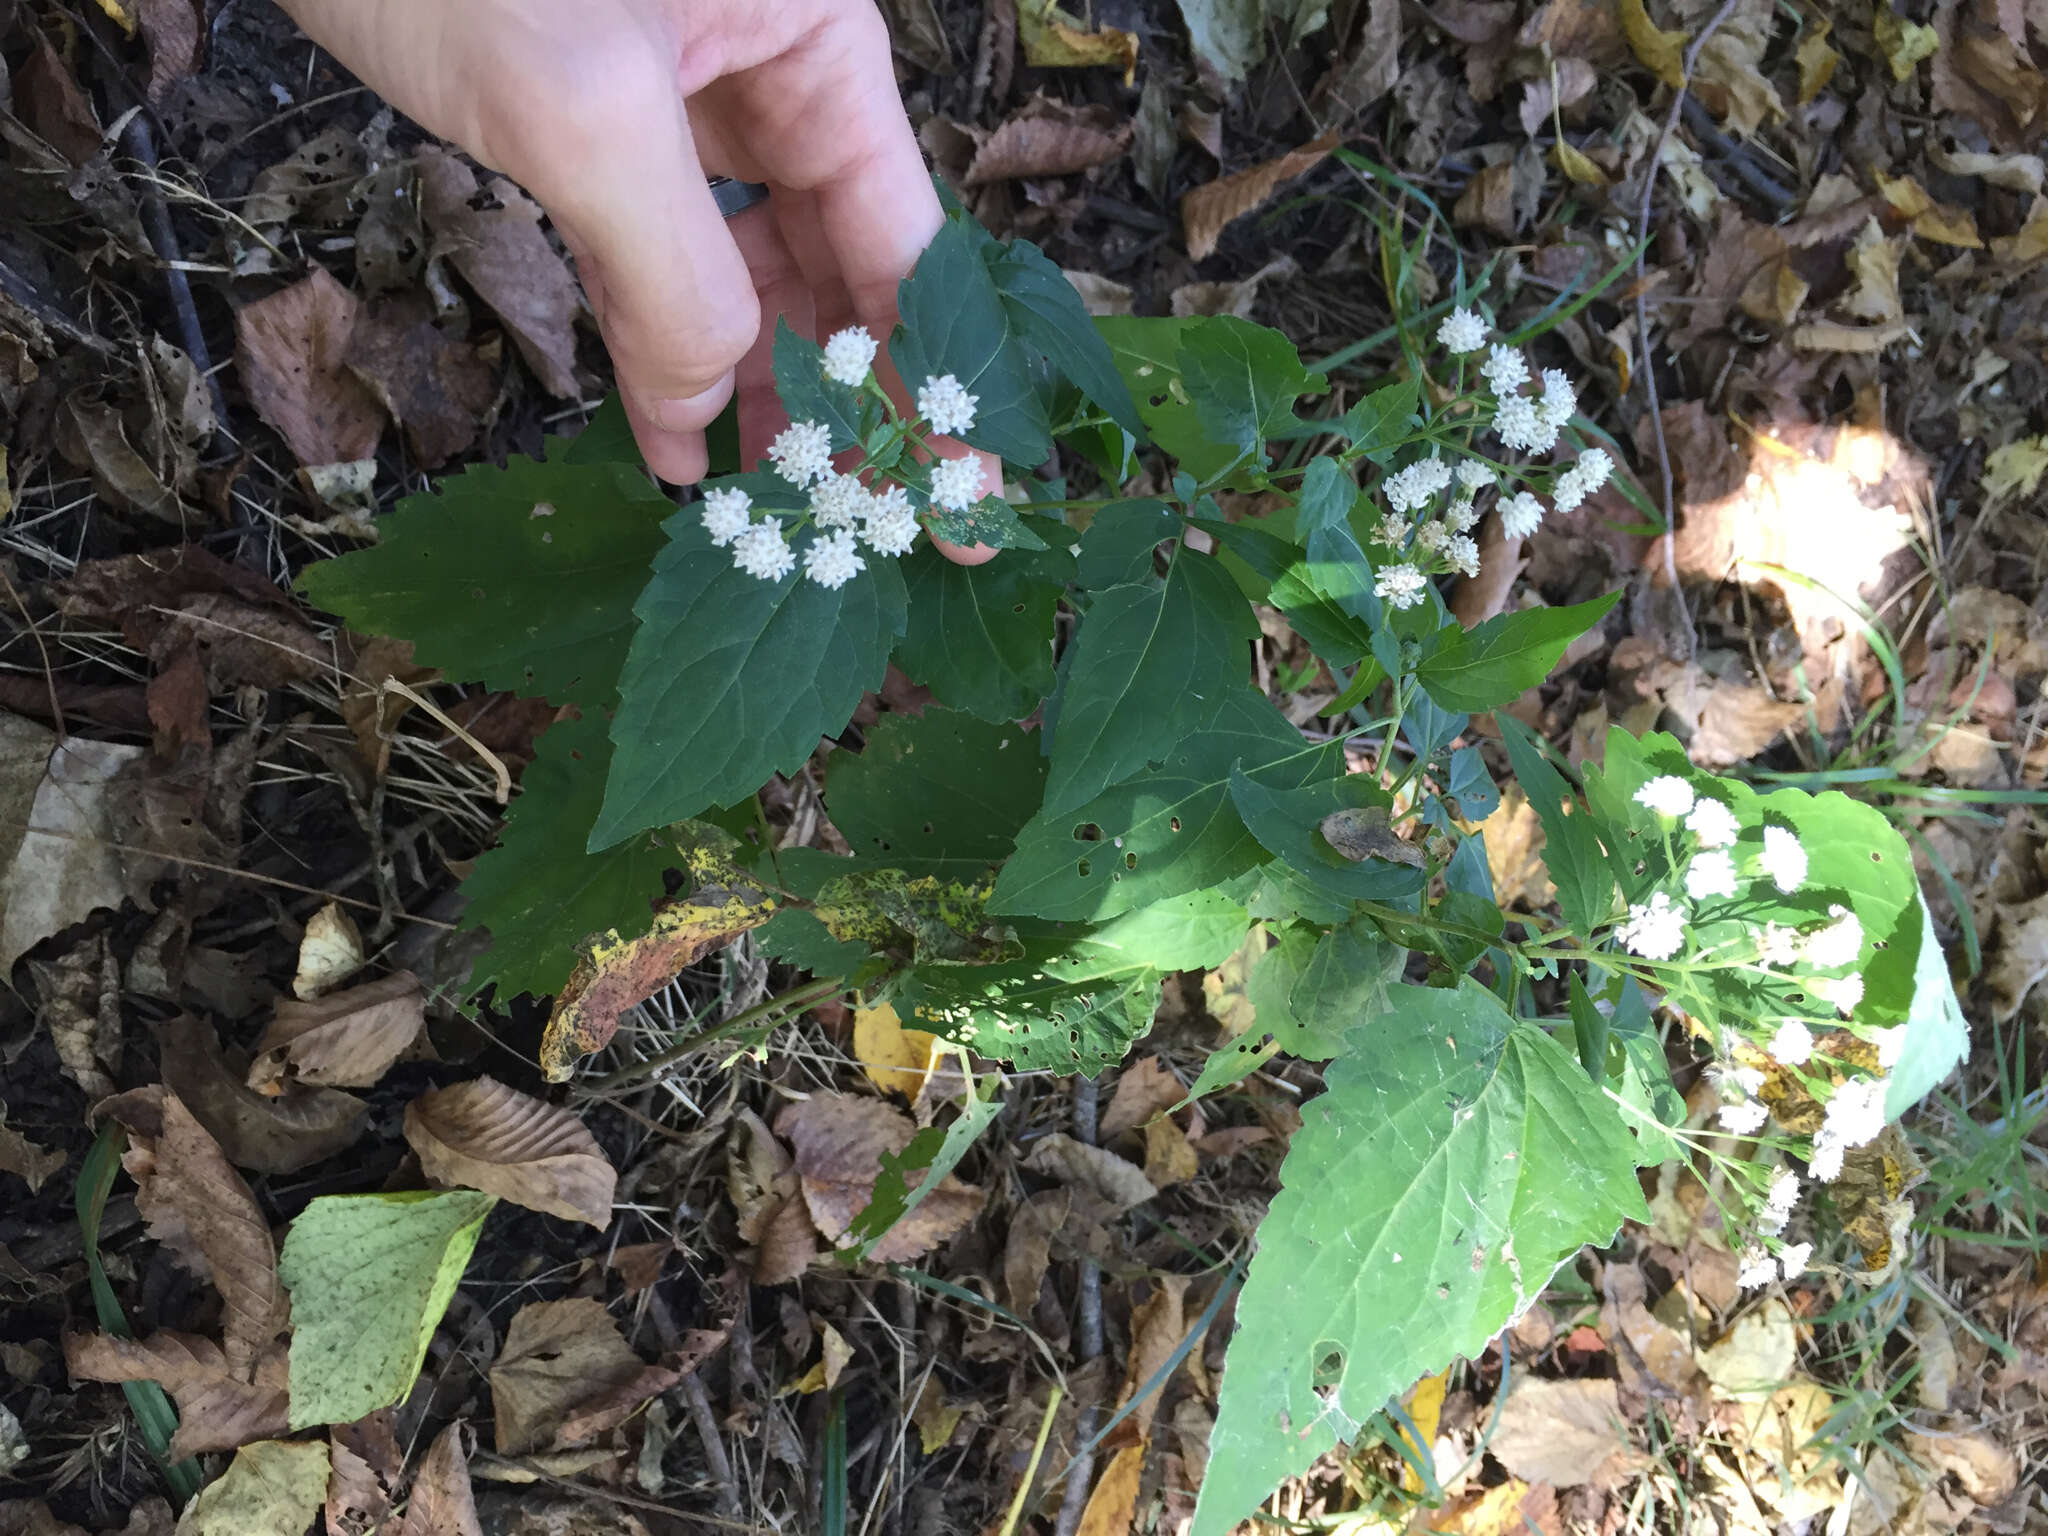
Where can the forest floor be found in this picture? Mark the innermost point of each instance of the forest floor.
(1830, 363)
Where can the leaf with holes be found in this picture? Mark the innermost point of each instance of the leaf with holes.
(991, 521)
(1168, 830)
(1456, 1160)
(980, 636)
(521, 578)
(938, 794)
(1150, 664)
(731, 680)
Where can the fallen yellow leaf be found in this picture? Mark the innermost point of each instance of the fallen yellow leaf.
(1115, 1499)
(1904, 43)
(1817, 62)
(896, 1060)
(1939, 222)
(1425, 1412)
(1575, 164)
(1660, 52)
(120, 15)
(1055, 39)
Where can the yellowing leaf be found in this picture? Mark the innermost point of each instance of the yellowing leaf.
(1817, 62)
(936, 1416)
(896, 1060)
(1495, 1511)
(1115, 1497)
(1660, 52)
(2030, 244)
(120, 15)
(1931, 220)
(1055, 39)
(1425, 1412)
(1575, 164)
(1903, 43)
(270, 1487)
(2016, 469)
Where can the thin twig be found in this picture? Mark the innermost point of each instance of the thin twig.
(1081, 1473)
(49, 673)
(1649, 367)
(794, 1000)
(699, 1404)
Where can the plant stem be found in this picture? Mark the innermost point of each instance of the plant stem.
(795, 999)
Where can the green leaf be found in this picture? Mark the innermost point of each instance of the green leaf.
(1572, 855)
(1120, 541)
(370, 1276)
(1318, 594)
(991, 521)
(1457, 950)
(932, 1153)
(807, 395)
(1288, 822)
(1346, 980)
(938, 794)
(1147, 353)
(731, 679)
(1589, 1029)
(1169, 829)
(1048, 314)
(980, 636)
(797, 937)
(1243, 379)
(1937, 1034)
(538, 892)
(607, 438)
(521, 578)
(1641, 1077)
(1500, 660)
(1079, 996)
(1380, 422)
(954, 322)
(1326, 497)
(1150, 664)
(1456, 1161)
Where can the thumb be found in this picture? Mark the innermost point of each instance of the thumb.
(671, 291)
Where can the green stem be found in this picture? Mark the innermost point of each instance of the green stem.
(794, 1000)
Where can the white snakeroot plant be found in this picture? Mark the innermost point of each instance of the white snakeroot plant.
(1019, 889)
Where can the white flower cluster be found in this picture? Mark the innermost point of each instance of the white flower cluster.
(850, 356)
(1463, 330)
(845, 513)
(1760, 1267)
(945, 404)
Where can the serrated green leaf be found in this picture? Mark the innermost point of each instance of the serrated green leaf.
(1150, 664)
(1325, 499)
(954, 322)
(521, 578)
(1048, 314)
(1118, 547)
(1318, 594)
(370, 1276)
(1456, 1160)
(1503, 658)
(1288, 822)
(1572, 855)
(940, 793)
(1147, 354)
(731, 679)
(797, 937)
(1380, 421)
(991, 521)
(1243, 379)
(807, 395)
(981, 636)
(538, 892)
(1346, 981)
(1169, 829)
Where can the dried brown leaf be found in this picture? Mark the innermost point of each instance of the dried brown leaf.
(1565, 1433)
(1094, 1169)
(557, 1356)
(364, 1462)
(1028, 1248)
(614, 973)
(174, 30)
(1369, 66)
(1158, 1325)
(1488, 201)
(839, 1140)
(291, 350)
(1170, 1158)
(1660, 52)
(1940, 222)
(502, 253)
(1049, 138)
(343, 1040)
(1113, 1502)
(442, 1502)
(216, 1410)
(1207, 209)
(330, 951)
(434, 385)
(27, 1161)
(80, 1005)
(640, 1264)
(484, 1135)
(1144, 1088)
(280, 1134)
(95, 437)
(52, 103)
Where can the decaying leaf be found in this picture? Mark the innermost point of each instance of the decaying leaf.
(56, 865)
(1144, 1088)
(218, 1410)
(761, 1180)
(1048, 138)
(1055, 38)
(1113, 1501)
(1170, 1158)
(1093, 1170)
(1903, 43)
(442, 1502)
(1755, 1357)
(343, 1040)
(1565, 1433)
(1366, 833)
(1939, 222)
(1027, 1249)
(557, 1355)
(1158, 1324)
(330, 952)
(271, 1487)
(1207, 209)
(24, 1159)
(291, 350)
(364, 1463)
(503, 254)
(616, 973)
(265, 1133)
(95, 437)
(1817, 61)
(839, 1141)
(484, 1135)
(896, 1060)
(433, 384)
(1660, 52)
(80, 996)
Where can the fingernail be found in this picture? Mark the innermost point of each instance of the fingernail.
(691, 413)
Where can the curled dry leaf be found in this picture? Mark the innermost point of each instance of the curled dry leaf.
(484, 1135)
(442, 1501)
(55, 863)
(1028, 1248)
(839, 1141)
(81, 1008)
(557, 1356)
(345, 1039)
(503, 254)
(1207, 209)
(1049, 138)
(615, 973)
(1091, 1170)
(199, 1208)
(217, 1410)
(265, 1134)
(896, 1060)
(1144, 1089)
(330, 952)
(434, 385)
(291, 350)
(761, 1180)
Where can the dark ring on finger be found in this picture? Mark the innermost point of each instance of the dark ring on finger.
(736, 196)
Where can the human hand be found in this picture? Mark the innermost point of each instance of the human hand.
(613, 114)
